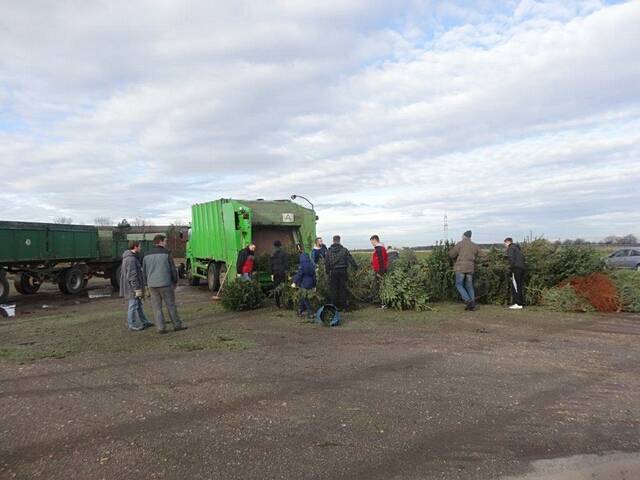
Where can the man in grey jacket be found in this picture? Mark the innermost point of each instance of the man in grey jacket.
(132, 286)
(161, 276)
(465, 253)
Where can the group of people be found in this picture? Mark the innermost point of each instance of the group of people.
(465, 254)
(155, 276)
(336, 260)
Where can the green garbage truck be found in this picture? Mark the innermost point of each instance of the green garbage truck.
(221, 228)
(66, 255)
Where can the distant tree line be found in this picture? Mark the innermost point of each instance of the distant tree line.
(610, 240)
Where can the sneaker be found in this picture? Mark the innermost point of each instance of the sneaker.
(181, 327)
(515, 306)
(136, 329)
(162, 332)
(472, 306)
(148, 325)
(382, 307)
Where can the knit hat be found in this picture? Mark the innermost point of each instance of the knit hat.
(277, 243)
(467, 234)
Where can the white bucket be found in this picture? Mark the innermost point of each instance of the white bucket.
(8, 310)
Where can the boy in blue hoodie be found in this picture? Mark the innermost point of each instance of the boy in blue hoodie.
(305, 279)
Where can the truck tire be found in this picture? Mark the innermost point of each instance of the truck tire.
(27, 284)
(213, 277)
(193, 281)
(72, 280)
(115, 277)
(4, 287)
(222, 273)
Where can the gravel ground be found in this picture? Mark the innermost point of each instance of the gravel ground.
(445, 394)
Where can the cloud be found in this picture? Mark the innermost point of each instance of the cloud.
(506, 116)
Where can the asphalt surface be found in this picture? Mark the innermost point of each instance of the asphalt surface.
(470, 395)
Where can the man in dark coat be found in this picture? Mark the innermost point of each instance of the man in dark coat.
(336, 262)
(132, 287)
(279, 263)
(319, 250)
(518, 268)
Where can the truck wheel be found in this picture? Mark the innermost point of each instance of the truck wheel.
(222, 273)
(193, 281)
(4, 287)
(213, 278)
(115, 277)
(73, 280)
(27, 284)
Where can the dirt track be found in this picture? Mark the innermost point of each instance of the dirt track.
(445, 394)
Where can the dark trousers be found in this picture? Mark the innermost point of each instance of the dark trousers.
(166, 295)
(338, 288)
(278, 279)
(304, 305)
(377, 283)
(517, 290)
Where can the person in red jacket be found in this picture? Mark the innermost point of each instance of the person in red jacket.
(246, 264)
(379, 261)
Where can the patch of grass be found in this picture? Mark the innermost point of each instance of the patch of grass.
(74, 333)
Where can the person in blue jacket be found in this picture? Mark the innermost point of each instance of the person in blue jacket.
(305, 279)
(319, 250)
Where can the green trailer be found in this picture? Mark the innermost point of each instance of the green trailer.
(68, 255)
(221, 228)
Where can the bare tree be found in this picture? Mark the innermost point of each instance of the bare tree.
(629, 240)
(103, 221)
(141, 222)
(63, 220)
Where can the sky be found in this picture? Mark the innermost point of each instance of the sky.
(512, 118)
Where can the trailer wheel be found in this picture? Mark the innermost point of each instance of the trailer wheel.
(115, 277)
(17, 284)
(193, 281)
(27, 284)
(213, 277)
(73, 280)
(4, 287)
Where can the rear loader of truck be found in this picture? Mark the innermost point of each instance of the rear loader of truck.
(221, 228)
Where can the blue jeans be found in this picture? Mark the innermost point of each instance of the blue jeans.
(464, 284)
(135, 315)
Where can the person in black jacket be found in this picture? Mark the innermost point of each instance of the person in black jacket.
(336, 262)
(279, 262)
(518, 269)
